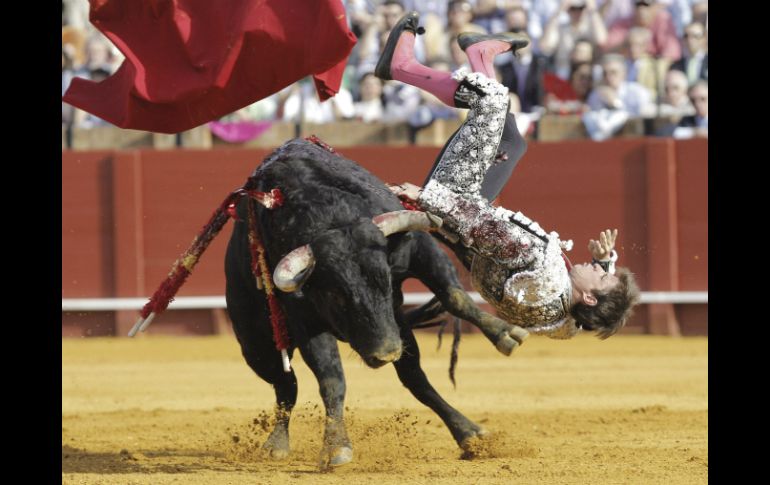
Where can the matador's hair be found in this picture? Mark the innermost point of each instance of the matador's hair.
(613, 307)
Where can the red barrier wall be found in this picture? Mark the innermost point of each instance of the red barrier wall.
(87, 244)
(127, 215)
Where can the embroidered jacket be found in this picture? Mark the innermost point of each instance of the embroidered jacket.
(518, 268)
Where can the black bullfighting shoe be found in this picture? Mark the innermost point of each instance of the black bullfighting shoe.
(516, 41)
(409, 23)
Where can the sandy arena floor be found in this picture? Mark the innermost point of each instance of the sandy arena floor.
(162, 410)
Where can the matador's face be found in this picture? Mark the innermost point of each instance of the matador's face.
(587, 278)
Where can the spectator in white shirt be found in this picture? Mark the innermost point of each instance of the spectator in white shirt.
(303, 101)
(615, 101)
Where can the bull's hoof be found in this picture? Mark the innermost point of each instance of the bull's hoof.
(473, 446)
(336, 456)
(506, 345)
(508, 342)
(279, 454)
(277, 445)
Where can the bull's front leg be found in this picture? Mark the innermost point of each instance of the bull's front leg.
(431, 266)
(322, 356)
(413, 378)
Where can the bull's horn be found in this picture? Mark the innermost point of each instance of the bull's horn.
(406, 220)
(294, 269)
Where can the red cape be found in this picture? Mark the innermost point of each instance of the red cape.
(193, 61)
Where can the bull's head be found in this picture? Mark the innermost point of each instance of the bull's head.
(352, 288)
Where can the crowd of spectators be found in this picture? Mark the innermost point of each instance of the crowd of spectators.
(606, 61)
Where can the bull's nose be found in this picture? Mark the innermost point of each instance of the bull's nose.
(391, 356)
(389, 352)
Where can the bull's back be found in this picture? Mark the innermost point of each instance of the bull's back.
(321, 190)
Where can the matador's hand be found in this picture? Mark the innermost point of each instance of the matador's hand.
(601, 250)
(409, 190)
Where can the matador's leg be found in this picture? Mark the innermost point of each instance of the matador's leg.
(472, 151)
(512, 147)
(480, 136)
(481, 51)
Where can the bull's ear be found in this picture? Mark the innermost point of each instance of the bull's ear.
(294, 269)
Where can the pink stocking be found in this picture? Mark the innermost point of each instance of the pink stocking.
(406, 69)
(482, 54)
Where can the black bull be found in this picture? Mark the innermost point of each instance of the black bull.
(352, 294)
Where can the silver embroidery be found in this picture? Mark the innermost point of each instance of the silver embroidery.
(518, 268)
(535, 297)
(471, 153)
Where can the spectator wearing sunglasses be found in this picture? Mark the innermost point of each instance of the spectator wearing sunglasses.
(695, 63)
(698, 124)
